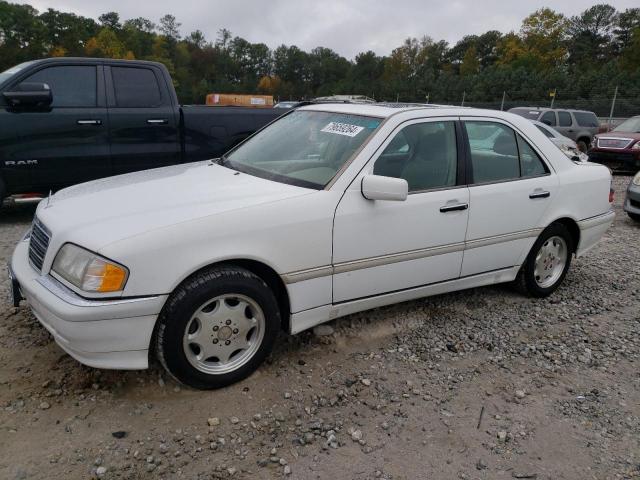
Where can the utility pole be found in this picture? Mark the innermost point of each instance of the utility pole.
(397, 97)
(427, 98)
(464, 94)
(553, 97)
(504, 94)
(613, 104)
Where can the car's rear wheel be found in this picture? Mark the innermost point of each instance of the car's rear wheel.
(547, 263)
(217, 327)
(634, 216)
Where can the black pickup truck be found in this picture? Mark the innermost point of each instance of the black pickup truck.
(68, 120)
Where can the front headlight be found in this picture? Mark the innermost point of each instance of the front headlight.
(89, 271)
(636, 179)
(636, 146)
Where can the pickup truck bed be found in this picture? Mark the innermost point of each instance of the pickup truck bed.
(68, 120)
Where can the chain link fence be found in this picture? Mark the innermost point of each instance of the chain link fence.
(619, 104)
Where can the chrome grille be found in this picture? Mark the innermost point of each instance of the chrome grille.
(614, 142)
(38, 244)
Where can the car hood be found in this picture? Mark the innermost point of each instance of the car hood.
(614, 134)
(97, 213)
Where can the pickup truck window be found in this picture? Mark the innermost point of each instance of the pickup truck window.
(136, 87)
(71, 85)
(586, 119)
(304, 148)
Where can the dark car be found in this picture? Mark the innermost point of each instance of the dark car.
(619, 149)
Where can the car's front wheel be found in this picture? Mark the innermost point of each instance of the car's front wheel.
(217, 327)
(547, 263)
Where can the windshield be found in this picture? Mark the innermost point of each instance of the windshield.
(629, 125)
(304, 148)
(529, 113)
(7, 74)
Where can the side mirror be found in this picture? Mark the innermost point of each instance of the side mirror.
(28, 94)
(377, 187)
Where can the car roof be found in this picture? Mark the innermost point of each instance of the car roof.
(545, 109)
(382, 110)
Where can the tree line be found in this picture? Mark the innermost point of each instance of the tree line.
(582, 57)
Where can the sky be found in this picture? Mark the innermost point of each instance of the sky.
(346, 26)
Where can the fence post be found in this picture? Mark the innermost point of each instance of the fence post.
(504, 94)
(613, 104)
(464, 94)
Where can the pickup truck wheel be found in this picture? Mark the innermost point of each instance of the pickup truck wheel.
(217, 327)
(547, 263)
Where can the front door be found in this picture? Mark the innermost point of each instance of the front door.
(385, 246)
(510, 189)
(66, 143)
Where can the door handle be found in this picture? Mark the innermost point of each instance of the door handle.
(455, 207)
(89, 122)
(540, 194)
(157, 121)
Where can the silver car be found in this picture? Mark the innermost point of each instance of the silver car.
(632, 202)
(568, 146)
(579, 125)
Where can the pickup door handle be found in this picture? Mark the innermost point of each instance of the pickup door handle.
(157, 121)
(89, 122)
(455, 207)
(540, 194)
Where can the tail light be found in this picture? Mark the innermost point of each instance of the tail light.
(612, 195)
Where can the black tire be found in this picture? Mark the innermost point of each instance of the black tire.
(634, 216)
(583, 146)
(191, 295)
(526, 281)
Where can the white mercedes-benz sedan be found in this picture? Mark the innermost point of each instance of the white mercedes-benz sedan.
(330, 210)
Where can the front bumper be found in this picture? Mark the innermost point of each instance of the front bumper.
(625, 160)
(99, 333)
(632, 201)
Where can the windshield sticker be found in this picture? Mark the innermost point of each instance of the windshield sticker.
(342, 129)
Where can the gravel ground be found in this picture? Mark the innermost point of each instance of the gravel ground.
(480, 384)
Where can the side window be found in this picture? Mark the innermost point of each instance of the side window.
(549, 118)
(71, 85)
(531, 164)
(564, 119)
(494, 152)
(424, 154)
(136, 87)
(586, 119)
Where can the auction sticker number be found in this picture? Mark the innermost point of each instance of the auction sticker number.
(342, 129)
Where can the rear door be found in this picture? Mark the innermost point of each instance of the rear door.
(66, 143)
(510, 189)
(565, 124)
(143, 118)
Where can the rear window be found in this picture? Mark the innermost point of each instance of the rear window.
(136, 87)
(586, 119)
(531, 114)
